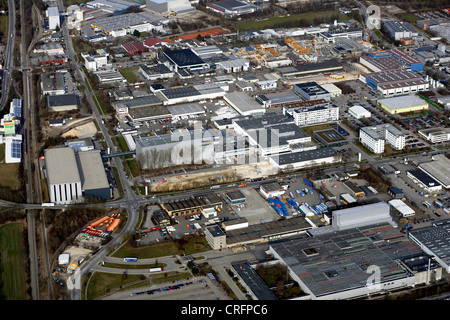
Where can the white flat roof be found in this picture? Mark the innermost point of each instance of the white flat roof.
(401, 102)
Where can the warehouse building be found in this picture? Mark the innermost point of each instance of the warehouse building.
(398, 30)
(316, 262)
(403, 104)
(192, 205)
(94, 182)
(52, 83)
(384, 63)
(155, 72)
(304, 159)
(359, 112)
(243, 103)
(121, 25)
(424, 180)
(63, 176)
(185, 59)
(395, 82)
(271, 190)
(311, 91)
(190, 93)
(134, 48)
(438, 169)
(361, 216)
(435, 241)
(435, 135)
(272, 133)
(414, 64)
(235, 197)
(72, 175)
(168, 6)
(252, 282)
(112, 6)
(54, 20)
(310, 68)
(402, 208)
(62, 102)
(375, 137)
(232, 7)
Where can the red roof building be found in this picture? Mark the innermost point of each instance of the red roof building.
(134, 48)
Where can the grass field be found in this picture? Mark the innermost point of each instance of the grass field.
(101, 283)
(12, 262)
(9, 173)
(410, 17)
(153, 251)
(307, 17)
(129, 74)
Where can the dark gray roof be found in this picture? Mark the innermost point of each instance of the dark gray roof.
(184, 57)
(62, 100)
(294, 157)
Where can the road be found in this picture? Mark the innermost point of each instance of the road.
(8, 59)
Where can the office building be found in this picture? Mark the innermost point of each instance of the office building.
(375, 137)
(215, 237)
(52, 83)
(316, 114)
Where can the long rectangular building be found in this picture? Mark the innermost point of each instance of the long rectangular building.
(395, 82)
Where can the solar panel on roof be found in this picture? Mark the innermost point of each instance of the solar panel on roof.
(16, 147)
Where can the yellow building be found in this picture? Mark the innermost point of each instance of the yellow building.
(403, 104)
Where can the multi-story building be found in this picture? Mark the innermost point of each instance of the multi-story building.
(375, 137)
(54, 21)
(311, 91)
(316, 114)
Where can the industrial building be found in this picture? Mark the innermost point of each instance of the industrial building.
(168, 6)
(121, 25)
(361, 216)
(435, 135)
(438, 169)
(403, 104)
(189, 94)
(215, 237)
(63, 176)
(253, 283)
(311, 91)
(398, 30)
(272, 133)
(134, 48)
(115, 7)
(71, 175)
(316, 262)
(271, 190)
(196, 146)
(411, 62)
(156, 72)
(232, 7)
(235, 197)
(243, 103)
(95, 62)
(192, 205)
(185, 59)
(359, 112)
(424, 180)
(62, 102)
(310, 68)
(395, 82)
(304, 159)
(435, 241)
(52, 83)
(54, 20)
(375, 137)
(402, 208)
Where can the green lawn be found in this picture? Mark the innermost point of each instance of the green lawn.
(102, 283)
(308, 17)
(129, 74)
(12, 262)
(147, 252)
(410, 17)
